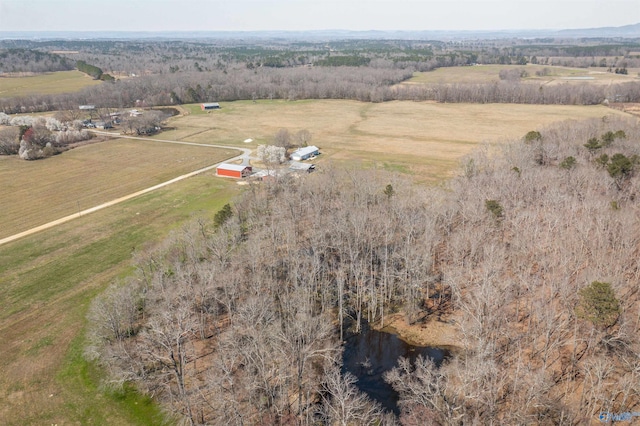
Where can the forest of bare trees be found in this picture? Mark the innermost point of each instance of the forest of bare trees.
(532, 252)
(160, 72)
(356, 83)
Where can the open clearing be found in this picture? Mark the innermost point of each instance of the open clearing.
(424, 139)
(36, 192)
(47, 280)
(45, 84)
(491, 73)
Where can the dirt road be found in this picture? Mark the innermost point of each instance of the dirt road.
(244, 156)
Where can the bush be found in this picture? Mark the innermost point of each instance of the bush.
(620, 166)
(495, 208)
(568, 163)
(593, 144)
(598, 304)
(223, 215)
(532, 136)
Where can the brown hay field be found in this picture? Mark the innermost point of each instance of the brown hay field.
(45, 84)
(36, 192)
(425, 139)
(491, 73)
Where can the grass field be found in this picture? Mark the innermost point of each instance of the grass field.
(47, 280)
(45, 84)
(424, 139)
(36, 192)
(491, 73)
(46, 284)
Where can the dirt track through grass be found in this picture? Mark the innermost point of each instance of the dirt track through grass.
(37, 192)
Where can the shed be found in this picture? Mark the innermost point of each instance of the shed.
(209, 105)
(233, 170)
(305, 153)
(104, 125)
(86, 107)
(301, 167)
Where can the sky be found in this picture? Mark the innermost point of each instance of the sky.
(295, 15)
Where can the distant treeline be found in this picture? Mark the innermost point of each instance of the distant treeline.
(25, 60)
(365, 84)
(174, 72)
(143, 57)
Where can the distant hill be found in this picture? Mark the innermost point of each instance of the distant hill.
(626, 31)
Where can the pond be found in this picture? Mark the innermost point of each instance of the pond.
(371, 353)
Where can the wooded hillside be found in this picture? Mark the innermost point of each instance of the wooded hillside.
(532, 252)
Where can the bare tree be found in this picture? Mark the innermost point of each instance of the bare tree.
(282, 138)
(344, 404)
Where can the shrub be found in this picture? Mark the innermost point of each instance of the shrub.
(222, 216)
(598, 304)
(495, 208)
(593, 144)
(568, 163)
(532, 136)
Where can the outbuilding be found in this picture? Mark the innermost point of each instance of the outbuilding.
(301, 167)
(209, 105)
(233, 170)
(305, 153)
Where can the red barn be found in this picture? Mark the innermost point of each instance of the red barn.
(233, 170)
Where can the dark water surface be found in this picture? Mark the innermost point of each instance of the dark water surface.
(371, 353)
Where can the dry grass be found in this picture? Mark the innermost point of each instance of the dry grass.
(36, 192)
(491, 73)
(421, 138)
(45, 84)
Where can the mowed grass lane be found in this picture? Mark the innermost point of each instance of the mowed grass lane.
(37, 192)
(45, 84)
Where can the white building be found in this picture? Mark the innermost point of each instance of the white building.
(305, 153)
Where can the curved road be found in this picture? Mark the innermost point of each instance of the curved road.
(244, 156)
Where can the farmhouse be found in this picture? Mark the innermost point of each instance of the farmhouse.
(233, 170)
(305, 153)
(209, 105)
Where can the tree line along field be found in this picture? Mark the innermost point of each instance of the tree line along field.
(45, 84)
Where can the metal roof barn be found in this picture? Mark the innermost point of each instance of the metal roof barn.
(233, 170)
(209, 105)
(305, 153)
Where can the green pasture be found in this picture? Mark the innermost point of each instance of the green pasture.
(45, 84)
